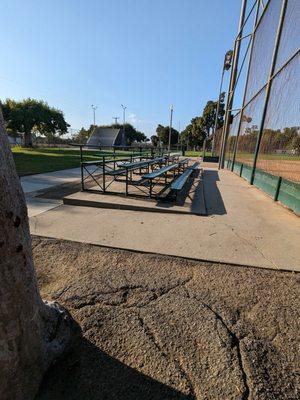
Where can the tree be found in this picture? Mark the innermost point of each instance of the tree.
(82, 136)
(29, 115)
(194, 133)
(163, 134)
(209, 114)
(32, 332)
(133, 135)
(154, 140)
(201, 127)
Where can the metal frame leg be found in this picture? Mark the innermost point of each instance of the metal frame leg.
(126, 186)
(103, 175)
(82, 178)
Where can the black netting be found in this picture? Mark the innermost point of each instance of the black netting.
(263, 48)
(250, 122)
(279, 152)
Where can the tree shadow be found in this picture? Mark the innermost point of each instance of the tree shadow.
(90, 373)
(213, 197)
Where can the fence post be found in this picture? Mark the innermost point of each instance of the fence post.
(268, 88)
(241, 169)
(277, 188)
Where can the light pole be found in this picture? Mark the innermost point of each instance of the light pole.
(116, 120)
(170, 128)
(124, 108)
(226, 67)
(232, 83)
(94, 113)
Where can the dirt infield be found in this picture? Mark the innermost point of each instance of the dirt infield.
(158, 327)
(286, 168)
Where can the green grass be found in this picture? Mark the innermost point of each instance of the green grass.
(197, 153)
(38, 160)
(265, 156)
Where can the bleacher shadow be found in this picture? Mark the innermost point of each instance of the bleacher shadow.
(213, 197)
(90, 373)
(191, 196)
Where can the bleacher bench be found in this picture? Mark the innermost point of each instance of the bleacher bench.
(159, 172)
(178, 184)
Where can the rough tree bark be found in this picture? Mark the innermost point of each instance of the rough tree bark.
(27, 139)
(33, 333)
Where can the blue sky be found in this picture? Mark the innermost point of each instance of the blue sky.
(146, 54)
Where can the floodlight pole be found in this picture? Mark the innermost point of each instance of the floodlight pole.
(217, 114)
(116, 120)
(233, 76)
(170, 128)
(124, 108)
(94, 113)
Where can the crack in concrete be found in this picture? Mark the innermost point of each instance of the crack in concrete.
(182, 372)
(235, 343)
(125, 291)
(253, 246)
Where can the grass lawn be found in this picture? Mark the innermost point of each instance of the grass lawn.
(39, 160)
(197, 153)
(267, 156)
(35, 161)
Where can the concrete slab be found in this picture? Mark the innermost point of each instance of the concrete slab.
(191, 201)
(161, 328)
(33, 183)
(243, 226)
(36, 206)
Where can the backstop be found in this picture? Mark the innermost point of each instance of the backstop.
(261, 142)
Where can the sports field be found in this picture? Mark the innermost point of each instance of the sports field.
(285, 165)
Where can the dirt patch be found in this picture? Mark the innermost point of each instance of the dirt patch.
(159, 327)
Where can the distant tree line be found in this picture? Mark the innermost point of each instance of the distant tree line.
(287, 139)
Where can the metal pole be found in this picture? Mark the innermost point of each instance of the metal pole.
(124, 108)
(245, 89)
(170, 128)
(236, 53)
(94, 113)
(268, 88)
(217, 114)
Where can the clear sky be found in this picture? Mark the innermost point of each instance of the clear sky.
(146, 54)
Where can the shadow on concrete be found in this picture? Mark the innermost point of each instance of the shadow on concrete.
(89, 373)
(191, 196)
(213, 197)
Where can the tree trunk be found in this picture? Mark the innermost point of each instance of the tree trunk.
(32, 333)
(27, 139)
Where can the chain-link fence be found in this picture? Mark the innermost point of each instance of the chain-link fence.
(265, 134)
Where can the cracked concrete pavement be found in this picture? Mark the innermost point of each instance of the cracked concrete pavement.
(159, 327)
